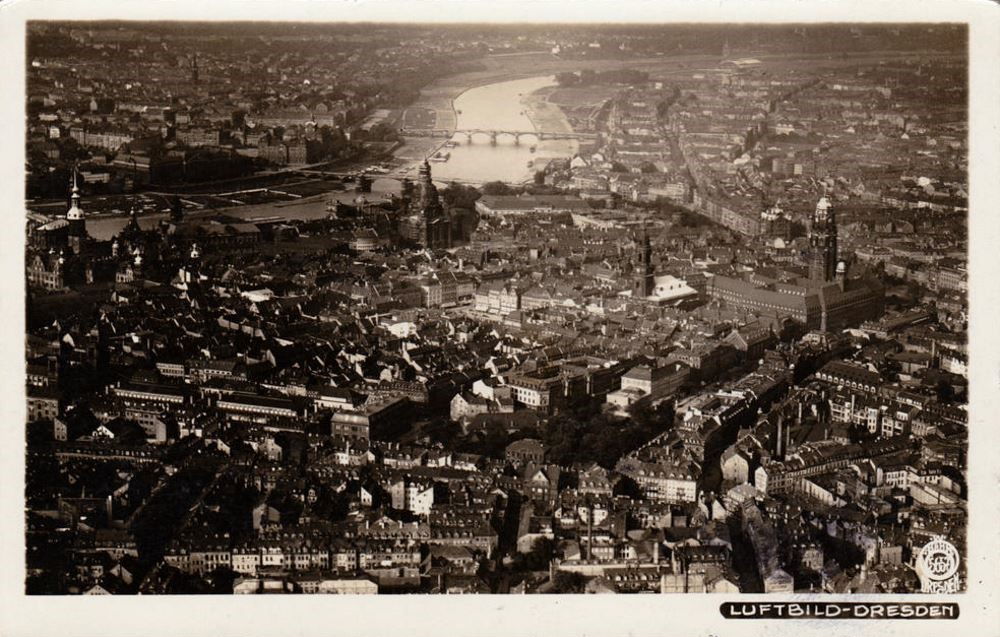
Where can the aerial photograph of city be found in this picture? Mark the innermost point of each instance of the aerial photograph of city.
(407, 308)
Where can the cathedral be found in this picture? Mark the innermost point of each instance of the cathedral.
(425, 221)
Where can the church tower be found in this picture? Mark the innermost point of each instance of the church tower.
(77, 229)
(194, 69)
(428, 192)
(644, 282)
(823, 243)
(437, 224)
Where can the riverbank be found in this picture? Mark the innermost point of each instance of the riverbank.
(545, 115)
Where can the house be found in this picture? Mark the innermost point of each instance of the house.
(540, 483)
(414, 496)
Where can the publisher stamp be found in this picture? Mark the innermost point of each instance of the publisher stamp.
(937, 565)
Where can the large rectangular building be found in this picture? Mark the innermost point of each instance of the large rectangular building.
(529, 204)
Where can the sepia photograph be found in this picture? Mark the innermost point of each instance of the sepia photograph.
(419, 307)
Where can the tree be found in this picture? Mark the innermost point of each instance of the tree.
(568, 582)
(495, 188)
(628, 487)
(460, 196)
(945, 391)
(222, 579)
(540, 555)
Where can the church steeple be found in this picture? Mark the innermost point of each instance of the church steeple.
(75, 216)
(74, 211)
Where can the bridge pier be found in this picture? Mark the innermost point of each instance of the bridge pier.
(517, 139)
(468, 138)
(493, 138)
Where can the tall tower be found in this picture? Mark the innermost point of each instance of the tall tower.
(77, 230)
(428, 192)
(823, 242)
(194, 69)
(437, 224)
(644, 282)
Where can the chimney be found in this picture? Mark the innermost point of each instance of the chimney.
(109, 506)
(590, 532)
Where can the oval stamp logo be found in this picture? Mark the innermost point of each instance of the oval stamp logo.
(937, 565)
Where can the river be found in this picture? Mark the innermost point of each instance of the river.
(501, 106)
(498, 106)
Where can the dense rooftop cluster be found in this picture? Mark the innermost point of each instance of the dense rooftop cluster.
(715, 352)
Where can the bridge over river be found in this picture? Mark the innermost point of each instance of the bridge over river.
(492, 135)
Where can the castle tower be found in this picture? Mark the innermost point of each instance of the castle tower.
(644, 282)
(823, 242)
